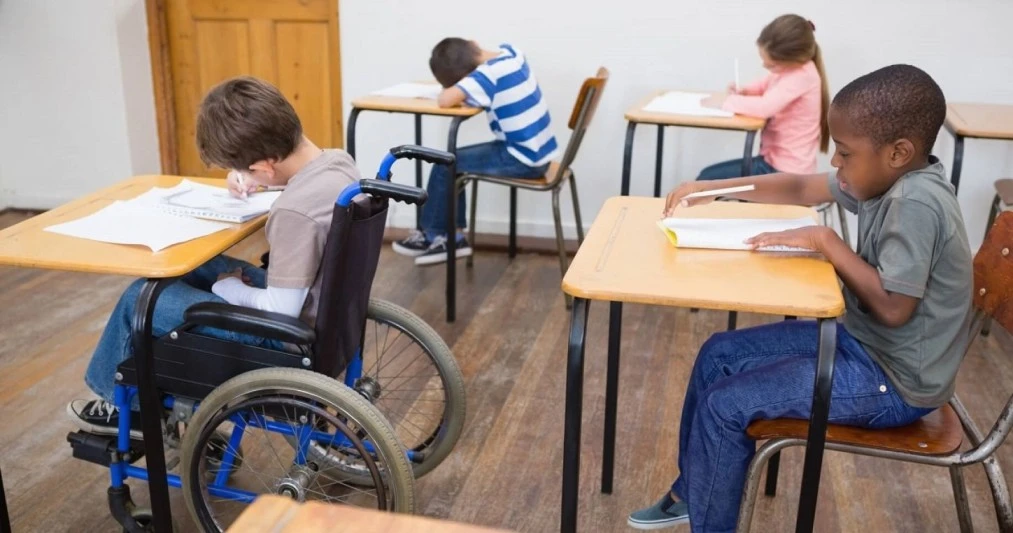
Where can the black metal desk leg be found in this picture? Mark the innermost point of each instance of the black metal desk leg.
(958, 161)
(452, 223)
(418, 168)
(350, 141)
(5, 519)
(571, 422)
(817, 426)
(747, 154)
(611, 396)
(151, 411)
(627, 158)
(658, 161)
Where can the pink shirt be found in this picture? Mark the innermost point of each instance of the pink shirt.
(790, 101)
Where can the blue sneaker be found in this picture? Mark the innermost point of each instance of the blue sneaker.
(665, 513)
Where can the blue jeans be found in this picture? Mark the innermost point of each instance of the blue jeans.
(115, 345)
(763, 373)
(491, 159)
(733, 169)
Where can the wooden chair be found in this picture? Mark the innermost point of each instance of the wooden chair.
(1003, 201)
(559, 174)
(936, 438)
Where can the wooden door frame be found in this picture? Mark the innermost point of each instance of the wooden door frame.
(161, 80)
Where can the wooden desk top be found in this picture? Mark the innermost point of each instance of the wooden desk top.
(277, 514)
(738, 122)
(625, 257)
(985, 121)
(422, 106)
(27, 245)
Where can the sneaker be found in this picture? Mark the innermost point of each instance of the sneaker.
(414, 245)
(437, 251)
(665, 513)
(101, 418)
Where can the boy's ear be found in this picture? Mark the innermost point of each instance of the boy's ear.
(902, 152)
(264, 165)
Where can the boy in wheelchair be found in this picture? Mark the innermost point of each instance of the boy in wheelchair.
(247, 126)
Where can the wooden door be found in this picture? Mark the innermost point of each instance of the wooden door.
(292, 44)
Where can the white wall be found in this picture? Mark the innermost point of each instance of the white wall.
(77, 110)
(654, 44)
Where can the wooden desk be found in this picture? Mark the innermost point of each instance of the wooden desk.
(977, 121)
(28, 245)
(625, 258)
(277, 514)
(637, 115)
(419, 107)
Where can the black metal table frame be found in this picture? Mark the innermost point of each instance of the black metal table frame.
(455, 124)
(574, 400)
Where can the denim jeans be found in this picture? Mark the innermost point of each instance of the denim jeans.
(115, 345)
(763, 373)
(491, 159)
(733, 169)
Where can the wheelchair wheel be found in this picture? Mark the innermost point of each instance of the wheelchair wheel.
(269, 409)
(411, 376)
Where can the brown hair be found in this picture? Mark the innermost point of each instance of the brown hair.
(453, 58)
(792, 39)
(244, 120)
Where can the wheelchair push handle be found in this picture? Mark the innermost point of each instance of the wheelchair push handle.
(411, 151)
(395, 191)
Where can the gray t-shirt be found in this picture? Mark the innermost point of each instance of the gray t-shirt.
(299, 221)
(914, 235)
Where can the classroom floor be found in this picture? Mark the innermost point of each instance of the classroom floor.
(510, 341)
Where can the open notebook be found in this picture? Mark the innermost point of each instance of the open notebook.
(683, 103)
(209, 202)
(728, 233)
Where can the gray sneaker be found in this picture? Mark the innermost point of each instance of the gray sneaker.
(665, 513)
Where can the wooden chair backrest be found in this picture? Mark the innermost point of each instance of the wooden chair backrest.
(993, 272)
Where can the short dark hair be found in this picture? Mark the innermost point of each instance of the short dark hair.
(244, 120)
(453, 58)
(895, 102)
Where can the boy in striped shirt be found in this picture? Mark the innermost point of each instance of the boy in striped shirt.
(500, 82)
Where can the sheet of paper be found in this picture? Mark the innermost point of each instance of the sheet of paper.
(129, 222)
(683, 103)
(412, 90)
(729, 233)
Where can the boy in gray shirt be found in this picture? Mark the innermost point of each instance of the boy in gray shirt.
(907, 292)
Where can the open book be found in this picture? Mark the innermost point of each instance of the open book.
(728, 233)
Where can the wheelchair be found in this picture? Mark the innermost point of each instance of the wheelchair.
(364, 402)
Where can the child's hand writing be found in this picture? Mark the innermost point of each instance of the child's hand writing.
(809, 237)
(239, 187)
(677, 198)
(732, 89)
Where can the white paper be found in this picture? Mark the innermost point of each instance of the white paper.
(130, 222)
(683, 103)
(731, 233)
(207, 201)
(412, 90)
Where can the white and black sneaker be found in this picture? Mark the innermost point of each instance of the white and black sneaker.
(437, 251)
(414, 245)
(101, 418)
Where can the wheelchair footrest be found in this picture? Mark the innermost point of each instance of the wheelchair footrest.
(100, 449)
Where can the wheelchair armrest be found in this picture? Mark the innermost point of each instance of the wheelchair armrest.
(250, 321)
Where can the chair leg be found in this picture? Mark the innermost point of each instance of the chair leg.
(843, 219)
(513, 222)
(764, 454)
(960, 498)
(471, 220)
(560, 245)
(576, 210)
(770, 489)
(986, 327)
(1000, 494)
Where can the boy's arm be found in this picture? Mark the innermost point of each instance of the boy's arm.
(278, 300)
(796, 189)
(451, 97)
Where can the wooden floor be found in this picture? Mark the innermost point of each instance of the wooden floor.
(510, 341)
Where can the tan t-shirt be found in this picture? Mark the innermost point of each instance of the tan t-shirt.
(299, 221)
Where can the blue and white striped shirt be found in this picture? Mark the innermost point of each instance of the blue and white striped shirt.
(505, 87)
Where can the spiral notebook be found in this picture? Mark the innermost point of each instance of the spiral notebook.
(728, 233)
(209, 202)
